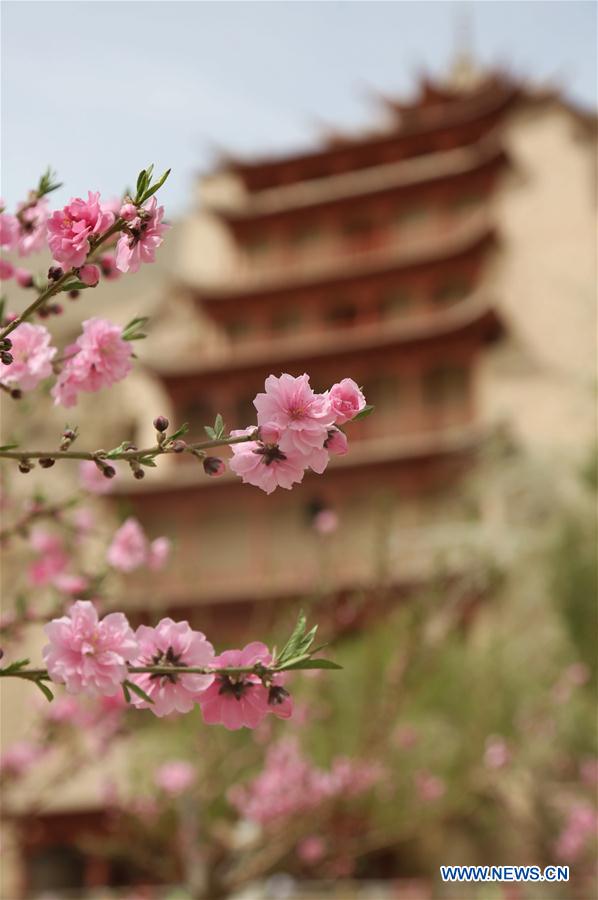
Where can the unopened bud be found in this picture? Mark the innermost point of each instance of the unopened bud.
(179, 446)
(161, 423)
(68, 436)
(55, 308)
(55, 272)
(108, 471)
(47, 462)
(25, 466)
(139, 473)
(214, 466)
(5, 344)
(6, 357)
(16, 393)
(73, 295)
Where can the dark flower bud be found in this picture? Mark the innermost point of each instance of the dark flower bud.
(47, 462)
(139, 473)
(6, 344)
(161, 423)
(73, 295)
(55, 309)
(108, 471)
(6, 357)
(277, 695)
(55, 272)
(43, 312)
(179, 446)
(214, 466)
(16, 393)
(25, 466)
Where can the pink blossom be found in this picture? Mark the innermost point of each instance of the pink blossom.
(579, 829)
(159, 552)
(143, 236)
(128, 549)
(32, 226)
(131, 549)
(325, 521)
(70, 584)
(32, 357)
(89, 275)
(108, 267)
(98, 358)
(346, 400)
(290, 784)
(311, 849)
(87, 654)
(93, 480)
(19, 758)
(9, 230)
(7, 270)
(265, 465)
(71, 229)
(172, 644)
(429, 787)
(52, 560)
(84, 519)
(175, 776)
(497, 753)
(243, 701)
(292, 405)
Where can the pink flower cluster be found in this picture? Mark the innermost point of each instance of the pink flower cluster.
(71, 229)
(96, 656)
(298, 430)
(26, 231)
(99, 358)
(142, 237)
(19, 758)
(130, 548)
(52, 563)
(579, 831)
(175, 776)
(291, 785)
(32, 357)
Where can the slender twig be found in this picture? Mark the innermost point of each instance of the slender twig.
(259, 669)
(41, 512)
(128, 455)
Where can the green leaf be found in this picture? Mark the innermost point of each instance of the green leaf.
(219, 426)
(299, 643)
(156, 187)
(8, 447)
(210, 432)
(116, 450)
(148, 461)
(141, 178)
(15, 666)
(179, 432)
(133, 330)
(126, 692)
(45, 690)
(137, 690)
(74, 286)
(310, 664)
(366, 411)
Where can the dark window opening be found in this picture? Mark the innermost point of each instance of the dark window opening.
(395, 303)
(342, 314)
(446, 385)
(451, 291)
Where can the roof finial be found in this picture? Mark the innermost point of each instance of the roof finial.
(463, 73)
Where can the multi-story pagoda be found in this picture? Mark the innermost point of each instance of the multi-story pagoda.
(365, 258)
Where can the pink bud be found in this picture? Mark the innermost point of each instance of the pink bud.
(7, 270)
(336, 443)
(23, 278)
(214, 466)
(128, 211)
(89, 275)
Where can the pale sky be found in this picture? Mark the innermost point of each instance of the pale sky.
(100, 89)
